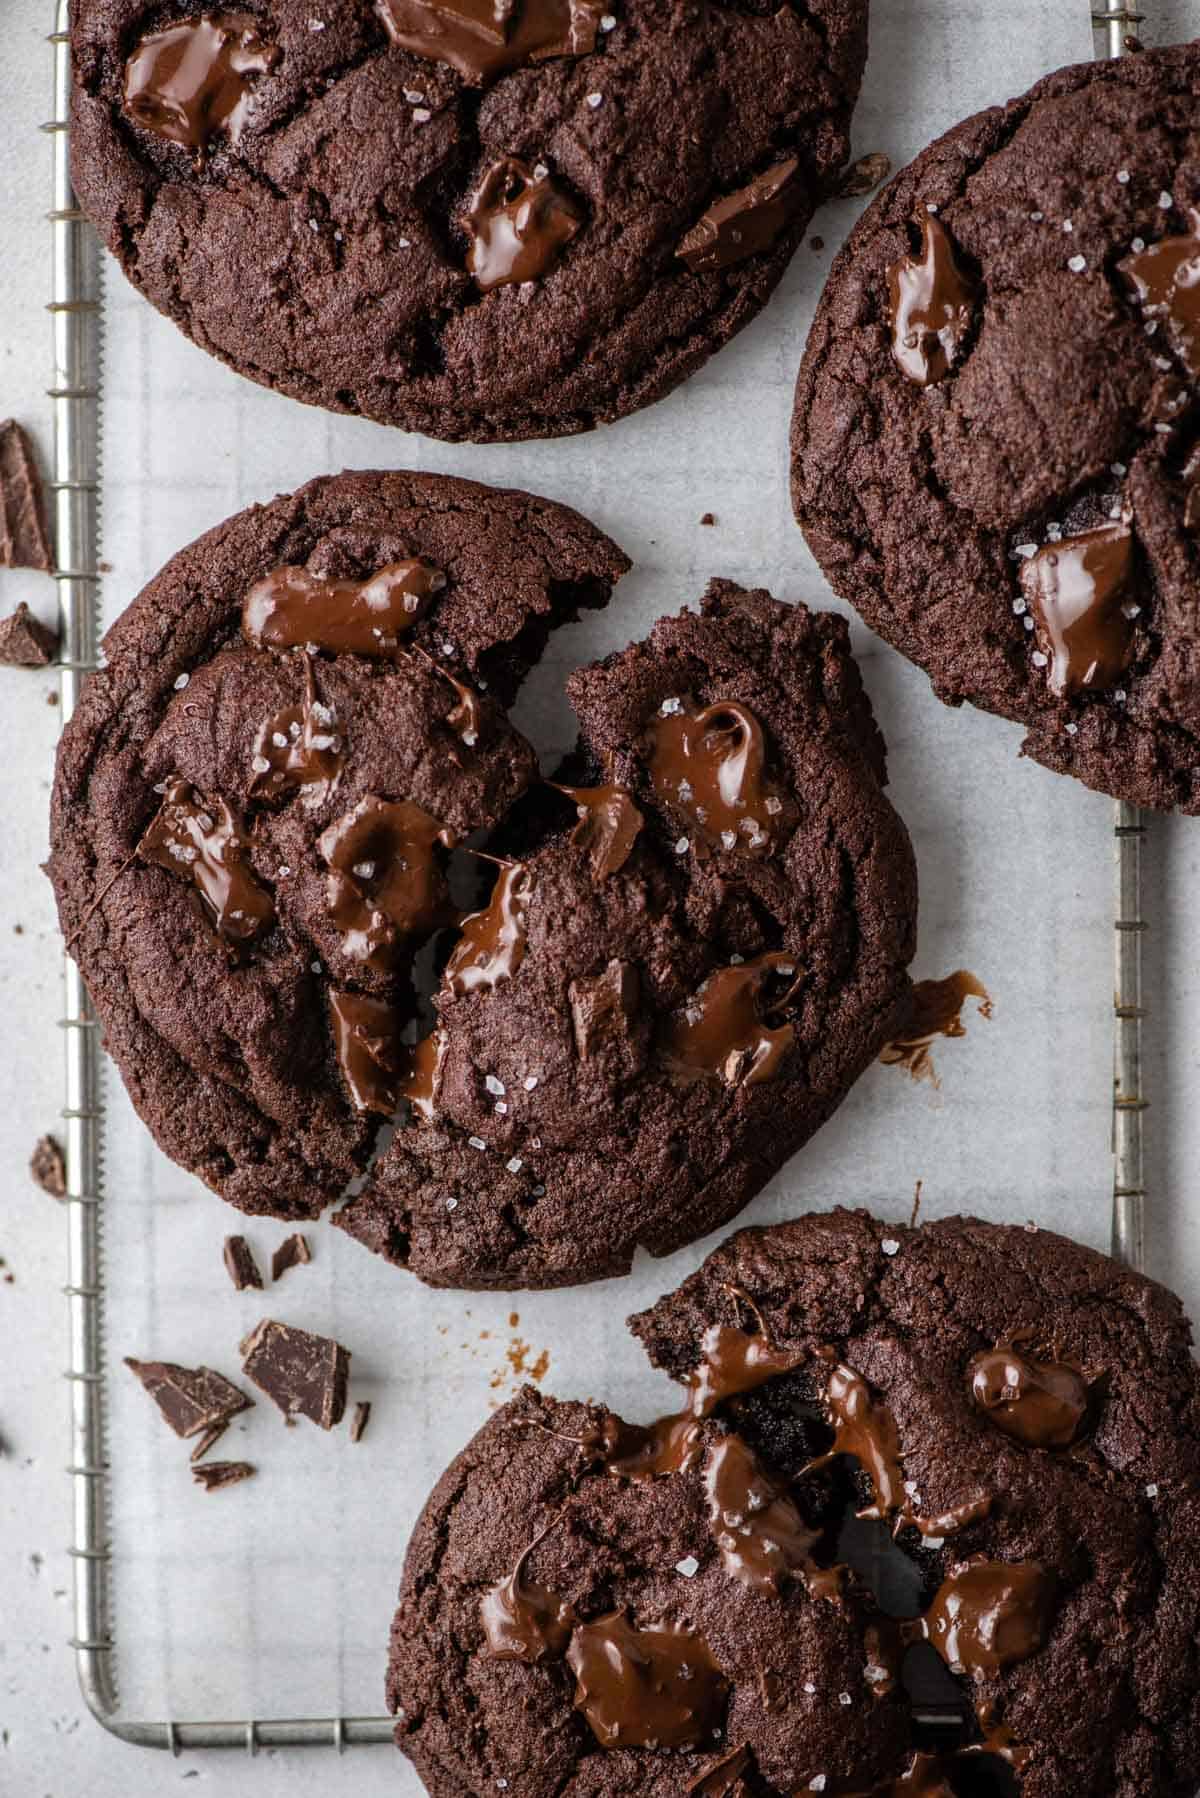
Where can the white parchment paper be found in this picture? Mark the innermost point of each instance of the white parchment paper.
(273, 1599)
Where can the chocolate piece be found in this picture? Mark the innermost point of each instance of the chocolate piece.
(212, 1475)
(710, 765)
(189, 82)
(523, 1621)
(1079, 591)
(933, 1009)
(1043, 1404)
(24, 528)
(864, 175)
(608, 827)
(986, 1615)
(1165, 278)
(305, 1375)
(725, 1778)
(646, 1688)
(25, 642)
(723, 1032)
(421, 1073)
(602, 1008)
(483, 38)
(636, 1451)
(191, 1399)
(210, 1438)
(299, 749)
(932, 306)
(48, 1168)
(385, 883)
(759, 1531)
(465, 717)
(519, 223)
(203, 843)
(491, 944)
(293, 609)
(364, 1037)
(293, 1251)
(359, 1420)
(746, 222)
(240, 1264)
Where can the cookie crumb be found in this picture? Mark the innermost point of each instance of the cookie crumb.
(46, 1164)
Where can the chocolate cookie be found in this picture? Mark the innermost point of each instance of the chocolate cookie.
(698, 1605)
(254, 801)
(487, 225)
(996, 444)
(682, 968)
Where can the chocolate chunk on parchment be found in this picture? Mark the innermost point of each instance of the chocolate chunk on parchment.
(24, 530)
(240, 1263)
(191, 1399)
(302, 1373)
(212, 1475)
(360, 1419)
(48, 1168)
(210, 1438)
(25, 642)
(293, 1251)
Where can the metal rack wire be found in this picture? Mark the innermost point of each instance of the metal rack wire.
(75, 394)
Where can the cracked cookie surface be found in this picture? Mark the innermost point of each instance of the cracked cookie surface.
(1031, 1400)
(313, 217)
(993, 447)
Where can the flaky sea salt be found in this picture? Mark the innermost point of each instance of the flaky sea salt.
(477, 1142)
(493, 1085)
(514, 1164)
(688, 1566)
(181, 681)
(681, 847)
(1077, 264)
(890, 1246)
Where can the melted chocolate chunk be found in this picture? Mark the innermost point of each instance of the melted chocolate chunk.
(385, 883)
(523, 1621)
(602, 1008)
(491, 946)
(635, 1451)
(190, 82)
(364, 1038)
(759, 1531)
(421, 1073)
(299, 749)
(1165, 278)
(212, 1475)
(987, 1615)
(293, 609)
(483, 38)
(305, 1375)
(191, 1399)
(934, 1009)
(465, 717)
(710, 766)
(743, 223)
(726, 1778)
(1043, 1404)
(1078, 591)
(203, 843)
(723, 1032)
(240, 1264)
(732, 1362)
(932, 306)
(608, 827)
(519, 223)
(646, 1688)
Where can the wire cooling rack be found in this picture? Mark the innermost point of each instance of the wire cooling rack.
(75, 308)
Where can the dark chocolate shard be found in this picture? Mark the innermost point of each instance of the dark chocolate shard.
(212, 1475)
(209, 1440)
(603, 1007)
(24, 529)
(864, 175)
(191, 1399)
(293, 1251)
(743, 223)
(25, 642)
(303, 1374)
(48, 1168)
(240, 1263)
(360, 1419)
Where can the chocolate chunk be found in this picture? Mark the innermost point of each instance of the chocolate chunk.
(191, 1399)
(25, 642)
(190, 82)
(724, 1033)
(210, 1438)
(303, 1374)
(240, 1264)
(202, 842)
(365, 1033)
(756, 1526)
(421, 1073)
(743, 223)
(933, 1008)
(212, 1475)
(864, 175)
(299, 749)
(360, 1419)
(1042, 1403)
(523, 1621)
(708, 518)
(711, 767)
(1165, 278)
(24, 529)
(726, 1778)
(519, 222)
(986, 1615)
(1081, 592)
(293, 609)
(385, 882)
(932, 306)
(491, 944)
(48, 1168)
(483, 38)
(646, 1688)
(608, 827)
(293, 1251)
(602, 1008)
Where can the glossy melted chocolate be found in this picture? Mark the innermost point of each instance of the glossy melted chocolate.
(1079, 591)
(492, 944)
(203, 844)
(711, 766)
(364, 1036)
(932, 306)
(191, 81)
(519, 223)
(724, 1032)
(385, 883)
(293, 609)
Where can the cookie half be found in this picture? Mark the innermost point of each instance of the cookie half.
(593, 1606)
(487, 227)
(255, 801)
(703, 944)
(996, 442)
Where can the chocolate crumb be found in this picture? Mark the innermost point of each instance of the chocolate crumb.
(240, 1264)
(25, 642)
(52, 698)
(191, 1399)
(300, 1372)
(816, 245)
(209, 1439)
(293, 1251)
(24, 529)
(708, 518)
(864, 175)
(212, 1475)
(360, 1419)
(46, 1164)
